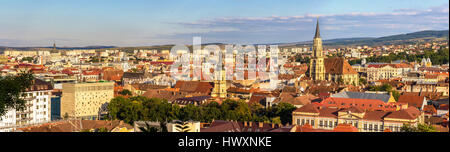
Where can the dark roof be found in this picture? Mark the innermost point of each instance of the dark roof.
(361, 95)
(196, 99)
(133, 75)
(39, 85)
(194, 86)
(235, 126)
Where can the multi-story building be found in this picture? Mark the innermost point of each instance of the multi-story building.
(83, 100)
(37, 107)
(386, 71)
(322, 117)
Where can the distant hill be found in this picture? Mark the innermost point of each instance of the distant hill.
(2, 48)
(386, 40)
(409, 38)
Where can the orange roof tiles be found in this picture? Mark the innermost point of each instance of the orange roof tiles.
(367, 104)
(345, 128)
(412, 100)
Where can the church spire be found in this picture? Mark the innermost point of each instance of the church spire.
(317, 29)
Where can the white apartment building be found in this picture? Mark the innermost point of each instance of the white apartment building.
(37, 108)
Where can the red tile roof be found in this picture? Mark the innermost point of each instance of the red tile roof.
(345, 128)
(412, 100)
(366, 104)
(338, 66)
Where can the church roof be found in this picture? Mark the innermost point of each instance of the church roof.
(338, 65)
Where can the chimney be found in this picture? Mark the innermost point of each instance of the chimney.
(261, 124)
(250, 124)
(273, 125)
(245, 123)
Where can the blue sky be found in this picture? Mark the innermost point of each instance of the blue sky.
(153, 22)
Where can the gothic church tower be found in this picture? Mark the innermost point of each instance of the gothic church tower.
(316, 66)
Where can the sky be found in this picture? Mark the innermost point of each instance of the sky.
(74, 23)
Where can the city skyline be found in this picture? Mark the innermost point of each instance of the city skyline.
(116, 23)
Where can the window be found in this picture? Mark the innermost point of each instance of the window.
(303, 121)
(298, 121)
(365, 126)
(321, 123)
(376, 127)
(370, 127)
(312, 122)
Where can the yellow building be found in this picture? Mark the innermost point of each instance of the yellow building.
(220, 86)
(3, 59)
(83, 100)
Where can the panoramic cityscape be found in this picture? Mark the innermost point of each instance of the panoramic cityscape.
(227, 67)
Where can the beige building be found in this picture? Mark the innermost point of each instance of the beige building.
(364, 120)
(85, 99)
(387, 71)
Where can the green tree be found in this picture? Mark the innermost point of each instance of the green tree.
(284, 111)
(362, 81)
(11, 91)
(419, 128)
(66, 115)
(29, 59)
(276, 120)
(102, 129)
(125, 92)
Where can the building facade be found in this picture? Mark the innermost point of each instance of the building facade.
(321, 117)
(37, 107)
(386, 71)
(83, 100)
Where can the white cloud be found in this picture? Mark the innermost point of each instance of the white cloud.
(301, 27)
